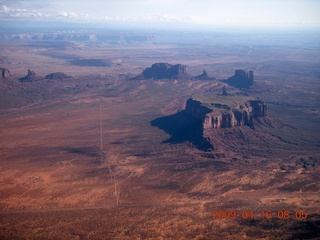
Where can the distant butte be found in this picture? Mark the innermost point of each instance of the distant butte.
(57, 75)
(226, 111)
(31, 77)
(5, 74)
(168, 71)
(204, 76)
(241, 79)
(164, 70)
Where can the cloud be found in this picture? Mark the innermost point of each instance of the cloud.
(71, 15)
(85, 17)
(7, 12)
(167, 18)
(205, 12)
(5, 9)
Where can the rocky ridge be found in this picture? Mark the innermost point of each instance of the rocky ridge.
(226, 111)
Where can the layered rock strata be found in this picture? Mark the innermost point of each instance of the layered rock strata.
(225, 111)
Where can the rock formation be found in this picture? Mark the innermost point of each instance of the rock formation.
(5, 74)
(204, 76)
(157, 71)
(241, 79)
(164, 70)
(31, 77)
(57, 75)
(225, 111)
(178, 71)
(224, 91)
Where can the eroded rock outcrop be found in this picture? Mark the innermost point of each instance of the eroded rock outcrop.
(224, 91)
(31, 77)
(204, 76)
(241, 79)
(5, 74)
(57, 75)
(164, 70)
(178, 71)
(225, 111)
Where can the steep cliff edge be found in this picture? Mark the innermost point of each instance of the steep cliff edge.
(225, 111)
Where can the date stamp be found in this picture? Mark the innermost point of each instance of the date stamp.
(264, 214)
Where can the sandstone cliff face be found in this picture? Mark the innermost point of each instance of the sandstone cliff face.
(195, 109)
(259, 109)
(157, 70)
(178, 71)
(241, 79)
(5, 74)
(223, 116)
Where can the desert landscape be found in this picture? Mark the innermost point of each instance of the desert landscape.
(159, 135)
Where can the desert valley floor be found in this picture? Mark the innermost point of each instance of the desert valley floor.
(100, 155)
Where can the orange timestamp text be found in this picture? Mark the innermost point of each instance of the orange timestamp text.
(264, 214)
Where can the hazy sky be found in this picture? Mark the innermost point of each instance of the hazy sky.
(165, 12)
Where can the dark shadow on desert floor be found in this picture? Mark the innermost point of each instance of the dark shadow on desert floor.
(182, 128)
(86, 151)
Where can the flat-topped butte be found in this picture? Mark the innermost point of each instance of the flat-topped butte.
(223, 103)
(225, 111)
